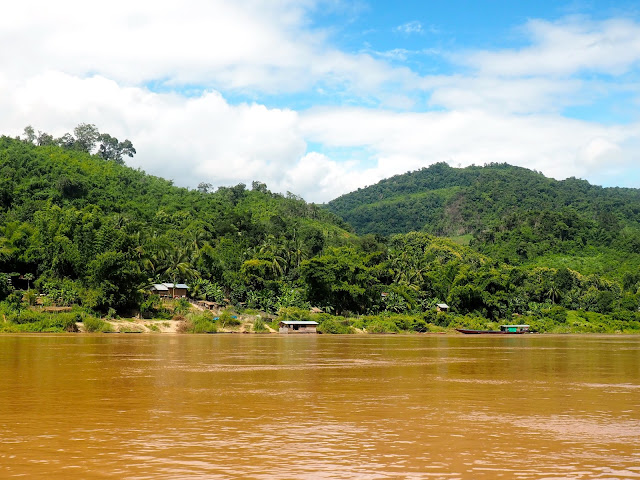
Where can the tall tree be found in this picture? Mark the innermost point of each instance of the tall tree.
(86, 137)
(113, 150)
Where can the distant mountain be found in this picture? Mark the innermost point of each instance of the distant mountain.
(450, 201)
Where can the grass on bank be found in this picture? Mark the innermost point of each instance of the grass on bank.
(552, 319)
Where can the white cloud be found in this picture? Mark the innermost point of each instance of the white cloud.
(565, 48)
(264, 46)
(317, 177)
(407, 141)
(600, 151)
(73, 63)
(186, 139)
(515, 95)
(410, 27)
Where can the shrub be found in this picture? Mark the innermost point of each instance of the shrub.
(201, 324)
(259, 325)
(27, 316)
(335, 326)
(557, 314)
(30, 297)
(226, 319)
(419, 325)
(182, 306)
(294, 314)
(381, 326)
(470, 321)
(14, 300)
(68, 321)
(442, 319)
(93, 324)
(150, 305)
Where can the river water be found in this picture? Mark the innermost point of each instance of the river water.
(317, 406)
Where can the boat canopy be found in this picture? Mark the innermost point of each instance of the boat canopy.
(514, 328)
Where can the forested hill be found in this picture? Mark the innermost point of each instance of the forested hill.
(450, 201)
(92, 231)
(83, 230)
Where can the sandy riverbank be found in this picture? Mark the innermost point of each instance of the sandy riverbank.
(137, 325)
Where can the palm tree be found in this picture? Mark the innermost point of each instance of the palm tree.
(552, 292)
(28, 277)
(178, 264)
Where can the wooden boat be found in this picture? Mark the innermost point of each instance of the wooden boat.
(504, 330)
(478, 332)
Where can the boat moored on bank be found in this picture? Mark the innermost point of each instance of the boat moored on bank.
(504, 329)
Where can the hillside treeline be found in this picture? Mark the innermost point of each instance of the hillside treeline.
(448, 201)
(77, 228)
(94, 232)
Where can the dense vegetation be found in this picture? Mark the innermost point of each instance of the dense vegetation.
(79, 228)
(82, 229)
(511, 214)
(448, 201)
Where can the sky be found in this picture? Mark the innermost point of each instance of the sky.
(322, 97)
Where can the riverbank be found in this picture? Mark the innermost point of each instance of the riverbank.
(183, 325)
(190, 319)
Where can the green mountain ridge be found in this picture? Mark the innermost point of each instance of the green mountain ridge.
(447, 201)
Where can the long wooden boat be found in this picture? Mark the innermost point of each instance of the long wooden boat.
(504, 330)
(479, 332)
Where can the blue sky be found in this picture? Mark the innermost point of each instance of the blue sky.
(320, 97)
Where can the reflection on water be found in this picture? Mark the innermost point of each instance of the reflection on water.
(367, 407)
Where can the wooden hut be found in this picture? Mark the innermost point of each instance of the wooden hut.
(298, 326)
(442, 307)
(208, 305)
(169, 290)
(160, 289)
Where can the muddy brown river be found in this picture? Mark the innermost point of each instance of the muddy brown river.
(319, 407)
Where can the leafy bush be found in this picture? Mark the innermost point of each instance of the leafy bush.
(27, 316)
(335, 326)
(5, 286)
(182, 306)
(472, 322)
(259, 325)
(201, 323)
(292, 297)
(62, 292)
(294, 314)
(30, 297)
(150, 306)
(381, 325)
(226, 319)
(93, 324)
(14, 300)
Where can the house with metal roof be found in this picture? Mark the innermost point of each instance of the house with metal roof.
(442, 307)
(297, 326)
(170, 290)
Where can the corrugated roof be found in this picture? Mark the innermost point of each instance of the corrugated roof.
(160, 287)
(443, 305)
(177, 285)
(298, 322)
